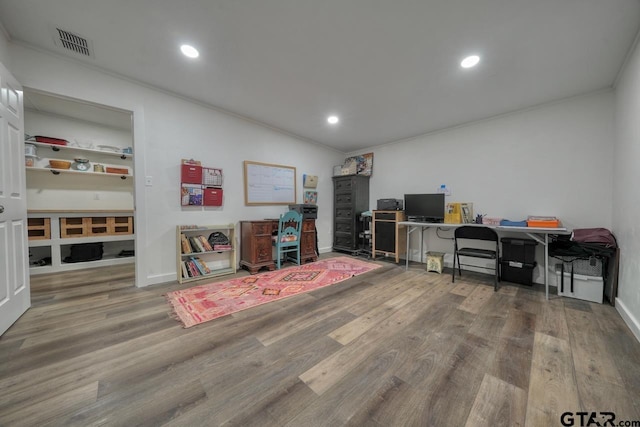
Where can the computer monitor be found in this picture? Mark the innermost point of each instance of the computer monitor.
(424, 207)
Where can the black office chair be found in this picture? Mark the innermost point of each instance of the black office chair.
(468, 233)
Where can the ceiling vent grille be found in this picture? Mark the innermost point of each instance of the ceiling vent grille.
(73, 42)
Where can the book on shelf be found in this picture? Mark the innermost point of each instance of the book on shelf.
(222, 247)
(185, 271)
(205, 243)
(197, 246)
(193, 269)
(197, 266)
(201, 265)
(186, 246)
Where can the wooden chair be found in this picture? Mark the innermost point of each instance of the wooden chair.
(287, 242)
(467, 234)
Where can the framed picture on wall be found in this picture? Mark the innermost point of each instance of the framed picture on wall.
(310, 197)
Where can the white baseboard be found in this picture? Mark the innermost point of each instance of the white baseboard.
(158, 279)
(628, 318)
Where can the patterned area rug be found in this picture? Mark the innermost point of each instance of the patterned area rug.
(207, 302)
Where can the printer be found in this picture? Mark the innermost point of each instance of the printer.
(307, 211)
(389, 205)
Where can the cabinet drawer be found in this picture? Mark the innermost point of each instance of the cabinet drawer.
(39, 228)
(344, 184)
(344, 199)
(343, 241)
(343, 227)
(344, 213)
(385, 216)
(259, 228)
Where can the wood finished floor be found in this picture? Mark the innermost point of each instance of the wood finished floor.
(388, 348)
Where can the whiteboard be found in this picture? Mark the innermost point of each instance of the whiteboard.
(268, 184)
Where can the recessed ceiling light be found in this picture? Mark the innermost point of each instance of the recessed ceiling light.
(470, 61)
(332, 120)
(189, 51)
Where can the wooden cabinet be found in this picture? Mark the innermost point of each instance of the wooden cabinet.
(350, 199)
(256, 248)
(389, 239)
(255, 245)
(198, 261)
(308, 251)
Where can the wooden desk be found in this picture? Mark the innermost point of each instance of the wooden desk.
(256, 248)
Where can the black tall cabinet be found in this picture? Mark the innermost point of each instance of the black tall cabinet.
(350, 199)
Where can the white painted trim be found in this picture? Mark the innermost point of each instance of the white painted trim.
(158, 279)
(628, 318)
(139, 199)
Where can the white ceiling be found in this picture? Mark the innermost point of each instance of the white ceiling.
(389, 69)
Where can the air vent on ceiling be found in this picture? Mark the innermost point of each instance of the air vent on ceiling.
(73, 42)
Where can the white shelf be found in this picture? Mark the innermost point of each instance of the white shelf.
(55, 147)
(106, 260)
(218, 272)
(71, 171)
(78, 240)
(206, 252)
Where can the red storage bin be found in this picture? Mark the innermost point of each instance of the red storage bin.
(191, 174)
(50, 140)
(213, 196)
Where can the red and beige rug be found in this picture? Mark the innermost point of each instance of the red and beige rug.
(207, 302)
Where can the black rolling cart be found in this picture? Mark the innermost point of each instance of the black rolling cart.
(518, 260)
(365, 235)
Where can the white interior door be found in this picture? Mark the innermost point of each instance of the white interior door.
(15, 295)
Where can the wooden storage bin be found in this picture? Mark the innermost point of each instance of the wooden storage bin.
(39, 228)
(98, 226)
(74, 227)
(120, 225)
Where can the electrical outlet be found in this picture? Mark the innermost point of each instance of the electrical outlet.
(148, 181)
(96, 196)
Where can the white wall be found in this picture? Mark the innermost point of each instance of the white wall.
(66, 191)
(552, 160)
(167, 129)
(625, 191)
